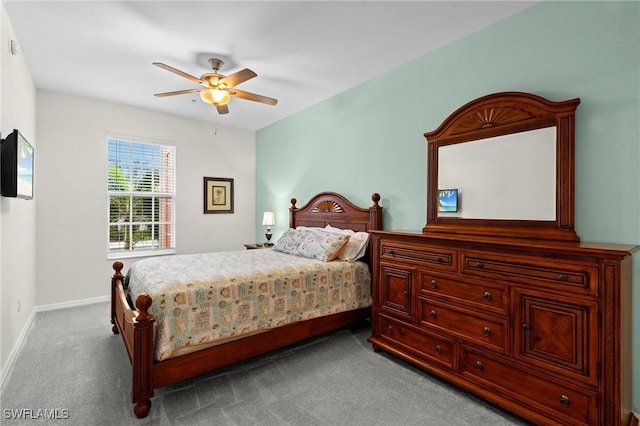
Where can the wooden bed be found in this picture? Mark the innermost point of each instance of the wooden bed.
(136, 326)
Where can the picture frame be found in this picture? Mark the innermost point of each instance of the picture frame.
(448, 200)
(218, 195)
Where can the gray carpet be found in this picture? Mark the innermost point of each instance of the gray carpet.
(70, 361)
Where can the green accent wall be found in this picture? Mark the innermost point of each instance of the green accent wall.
(370, 138)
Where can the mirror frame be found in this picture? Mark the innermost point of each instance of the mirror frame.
(502, 114)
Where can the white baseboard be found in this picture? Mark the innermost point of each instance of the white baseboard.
(11, 359)
(72, 304)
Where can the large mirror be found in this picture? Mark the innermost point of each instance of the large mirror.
(503, 165)
(476, 171)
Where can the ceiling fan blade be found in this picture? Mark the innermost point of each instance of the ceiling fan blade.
(238, 77)
(180, 73)
(178, 92)
(222, 109)
(253, 97)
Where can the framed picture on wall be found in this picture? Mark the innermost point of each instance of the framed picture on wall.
(218, 195)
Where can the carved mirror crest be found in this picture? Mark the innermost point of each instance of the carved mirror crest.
(503, 165)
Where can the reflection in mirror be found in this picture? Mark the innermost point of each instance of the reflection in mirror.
(477, 169)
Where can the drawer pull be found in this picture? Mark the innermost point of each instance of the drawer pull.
(564, 400)
(434, 284)
(390, 329)
(479, 366)
(479, 265)
(438, 348)
(486, 296)
(526, 326)
(438, 259)
(433, 314)
(391, 252)
(563, 277)
(486, 331)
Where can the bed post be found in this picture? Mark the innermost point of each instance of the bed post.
(142, 362)
(117, 277)
(292, 209)
(375, 212)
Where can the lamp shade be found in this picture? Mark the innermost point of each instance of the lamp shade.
(268, 219)
(215, 96)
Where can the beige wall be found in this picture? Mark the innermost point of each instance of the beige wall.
(17, 216)
(72, 191)
(65, 261)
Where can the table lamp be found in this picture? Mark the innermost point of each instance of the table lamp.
(268, 220)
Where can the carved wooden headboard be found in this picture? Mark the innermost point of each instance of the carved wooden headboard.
(330, 208)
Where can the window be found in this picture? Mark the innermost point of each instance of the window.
(141, 187)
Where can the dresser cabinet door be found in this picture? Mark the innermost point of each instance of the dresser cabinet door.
(396, 285)
(557, 333)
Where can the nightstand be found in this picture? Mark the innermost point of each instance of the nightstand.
(257, 246)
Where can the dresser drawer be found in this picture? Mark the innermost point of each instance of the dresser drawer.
(570, 404)
(568, 276)
(419, 255)
(424, 345)
(486, 331)
(483, 295)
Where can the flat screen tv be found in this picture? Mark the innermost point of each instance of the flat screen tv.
(448, 200)
(16, 167)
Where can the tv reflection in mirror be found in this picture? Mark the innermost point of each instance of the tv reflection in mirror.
(16, 167)
(448, 200)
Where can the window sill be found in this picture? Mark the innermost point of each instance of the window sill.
(139, 253)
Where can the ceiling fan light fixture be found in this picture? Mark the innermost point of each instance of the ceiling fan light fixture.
(217, 88)
(215, 96)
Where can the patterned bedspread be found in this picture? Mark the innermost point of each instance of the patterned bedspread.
(199, 299)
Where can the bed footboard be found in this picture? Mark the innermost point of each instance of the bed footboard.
(136, 328)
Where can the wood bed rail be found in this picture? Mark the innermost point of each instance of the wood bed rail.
(136, 327)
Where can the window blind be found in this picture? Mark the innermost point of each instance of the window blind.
(141, 188)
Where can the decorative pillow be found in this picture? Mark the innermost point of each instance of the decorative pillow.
(289, 241)
(314, 244)
(356, 246)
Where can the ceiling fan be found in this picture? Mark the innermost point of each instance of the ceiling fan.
(217, 88)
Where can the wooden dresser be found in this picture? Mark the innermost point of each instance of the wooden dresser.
(539, 328)
(496, 294)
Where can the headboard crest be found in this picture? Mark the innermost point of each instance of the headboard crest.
(328, 206)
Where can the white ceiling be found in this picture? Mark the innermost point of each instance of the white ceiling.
(303, 51)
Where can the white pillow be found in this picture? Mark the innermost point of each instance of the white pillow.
(357, 245)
